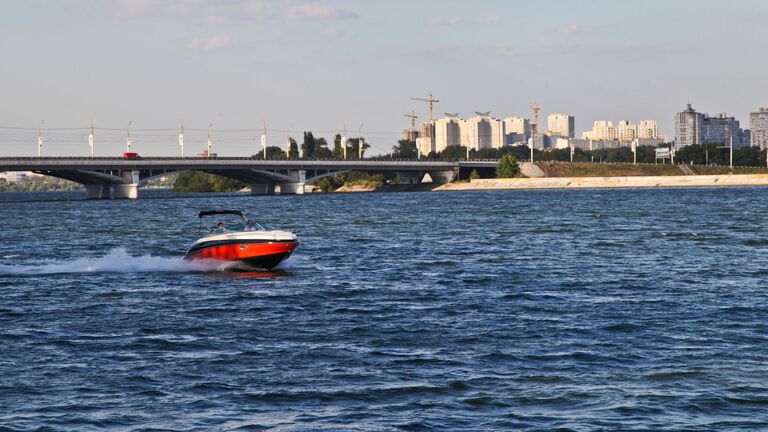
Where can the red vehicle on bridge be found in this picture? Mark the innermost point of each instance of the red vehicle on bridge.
(131, 155)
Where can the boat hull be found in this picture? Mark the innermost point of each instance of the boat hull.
(248, 255)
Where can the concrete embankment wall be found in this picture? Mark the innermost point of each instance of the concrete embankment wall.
(611, 182)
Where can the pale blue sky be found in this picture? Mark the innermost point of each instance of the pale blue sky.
(317, 65)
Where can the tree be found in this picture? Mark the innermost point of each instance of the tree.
(308, 146)
(508, 167)
(338, 148)
(354, 149)
(748, 156)
(474, 175)
(196, 181)
(453, 153)
(273, 153)
(405, 149)
(321, 149)
(293, 149)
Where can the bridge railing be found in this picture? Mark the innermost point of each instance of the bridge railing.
(226, 158)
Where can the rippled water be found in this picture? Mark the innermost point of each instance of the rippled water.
(580, 310)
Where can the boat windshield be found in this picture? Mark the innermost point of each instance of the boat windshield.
(220, 224)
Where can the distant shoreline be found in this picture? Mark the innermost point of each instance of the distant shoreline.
(609, 182)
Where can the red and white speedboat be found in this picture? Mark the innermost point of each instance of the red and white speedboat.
(248, 244)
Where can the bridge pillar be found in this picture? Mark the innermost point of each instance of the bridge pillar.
(262, 188)
(97, 191)
(129, 190)
(297, 188)
(409, 177)
(442, 176)
(126, 191)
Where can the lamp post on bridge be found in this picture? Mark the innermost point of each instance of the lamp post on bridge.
(360, 141)
(181, 140)
(128, 139)
(90, 139)
(264, 141)
(210, 140)
(40, 139)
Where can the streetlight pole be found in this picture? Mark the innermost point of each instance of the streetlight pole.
(360, 141)
(40, 139)
(181, 140)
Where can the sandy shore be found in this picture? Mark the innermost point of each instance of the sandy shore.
(610, 182)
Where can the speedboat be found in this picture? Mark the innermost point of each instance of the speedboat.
(246, 243)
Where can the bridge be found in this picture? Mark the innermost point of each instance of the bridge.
(106, 177)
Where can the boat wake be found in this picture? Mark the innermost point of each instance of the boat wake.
(115, 261)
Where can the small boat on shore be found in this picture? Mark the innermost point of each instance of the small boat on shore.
(246, 243)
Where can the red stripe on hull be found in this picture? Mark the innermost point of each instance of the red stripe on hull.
(243, 251)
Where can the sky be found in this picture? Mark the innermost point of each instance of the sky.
(237, 66)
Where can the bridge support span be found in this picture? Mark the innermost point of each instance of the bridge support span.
(297, 188)
(443, 176)
(97, 191)
(129, 189)
(122, 175)
(262, 188)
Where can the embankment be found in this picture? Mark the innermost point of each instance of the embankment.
(610, 182)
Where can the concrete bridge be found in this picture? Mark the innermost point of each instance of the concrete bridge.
(105, 177)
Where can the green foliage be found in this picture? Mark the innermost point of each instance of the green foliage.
(453, 153)
(338, 148)
(39, 184)
(507, 167)
(321, 149)
(717, 154)
(273, 153)
(353, 151)
(196, 181)
(352, 178)
(308, 146)
(293, 149)
(474, 175)
(405, 149)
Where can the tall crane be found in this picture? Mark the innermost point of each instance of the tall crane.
(430, 100)
(412, 115)
(535, 125)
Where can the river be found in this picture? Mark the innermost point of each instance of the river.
(474, 311)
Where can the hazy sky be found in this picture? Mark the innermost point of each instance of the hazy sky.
(317, 65)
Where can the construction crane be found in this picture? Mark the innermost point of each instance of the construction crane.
(412, 115)
(430, 100)
(535, 125)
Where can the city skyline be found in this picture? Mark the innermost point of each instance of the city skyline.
(322, 65)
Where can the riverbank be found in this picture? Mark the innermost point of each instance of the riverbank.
(609, 182)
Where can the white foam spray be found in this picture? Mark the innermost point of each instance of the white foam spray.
(115, 261)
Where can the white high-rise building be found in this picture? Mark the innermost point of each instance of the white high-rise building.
(647, 129)
(497, 133)
(425, 143)
(601, 130)
(626, 131)
(688, 127)
(476, 133)
(447, 133)
(561, 124)
(517, 130)
(517, 125)
(758, 127)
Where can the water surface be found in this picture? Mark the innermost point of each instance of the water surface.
(502, 310)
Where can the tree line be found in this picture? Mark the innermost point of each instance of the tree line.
(313, 147)
(710, 154)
